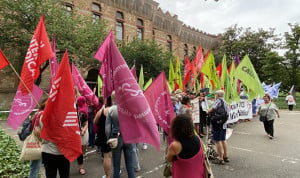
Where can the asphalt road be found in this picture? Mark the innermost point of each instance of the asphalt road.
(252, 154)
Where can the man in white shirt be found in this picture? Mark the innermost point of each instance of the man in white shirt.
(290, 101)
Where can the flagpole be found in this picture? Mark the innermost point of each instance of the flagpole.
(12, 67)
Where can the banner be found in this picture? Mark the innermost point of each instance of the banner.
(3, 60)
(195, 110)
(22, 106)
(240, 110)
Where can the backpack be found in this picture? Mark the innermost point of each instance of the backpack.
(25, 132)
(220, 115)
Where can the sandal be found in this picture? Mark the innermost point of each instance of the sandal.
(226, 159)
(81, 171)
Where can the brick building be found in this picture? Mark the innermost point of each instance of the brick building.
(128, 19)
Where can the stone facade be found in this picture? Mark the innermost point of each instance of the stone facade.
(157, 25)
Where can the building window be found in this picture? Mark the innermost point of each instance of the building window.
(96, 10)
(69, 8)
(194, 50)
(169, 43)
(119, 25)
(186, 50)
(140, 29)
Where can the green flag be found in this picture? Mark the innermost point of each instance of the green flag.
(209, 69)
(148, 84)
(224, 74)
(141, 78)
(233, 82)
(178, 74)
(246, 73)
(99, 85)
(171, 77)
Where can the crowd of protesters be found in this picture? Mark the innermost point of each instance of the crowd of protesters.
(99, 126)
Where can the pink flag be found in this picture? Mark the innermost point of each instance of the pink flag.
(102, 55)
(159, 99)
(133, 71)
(137, 123)
(53, 62)
(82, 86)
(23, 106)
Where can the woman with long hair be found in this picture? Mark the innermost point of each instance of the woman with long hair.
(186, 151)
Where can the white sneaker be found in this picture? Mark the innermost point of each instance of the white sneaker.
(145, 146)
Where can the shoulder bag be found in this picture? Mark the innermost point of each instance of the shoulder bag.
(265, 117)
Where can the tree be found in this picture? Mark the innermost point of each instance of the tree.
(292, 62)
(73, 31)
(149, 54)
(240, 41)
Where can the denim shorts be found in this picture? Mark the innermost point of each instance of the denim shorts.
(219, 134)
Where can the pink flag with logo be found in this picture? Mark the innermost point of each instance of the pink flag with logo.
(82, 86)
(133, 71)
(159, 99)
(22, 106)
(137, 123)
(53, 62)
(103, 54)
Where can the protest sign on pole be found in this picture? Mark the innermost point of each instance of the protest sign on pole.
(195, 110)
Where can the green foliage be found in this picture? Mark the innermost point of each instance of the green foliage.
(10, 166)
(3, 116)
(292, 62)
(281, 103)
(74, 31)
(147, 53)
(240, 41)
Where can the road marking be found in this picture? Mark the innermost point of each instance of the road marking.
(242, 133)
(151, 171)
(283, 158)
(87, 153)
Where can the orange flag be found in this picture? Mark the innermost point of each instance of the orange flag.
(3, 60)
(38, 52)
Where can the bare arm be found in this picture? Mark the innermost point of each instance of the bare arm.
(178, 148)
(97, 116)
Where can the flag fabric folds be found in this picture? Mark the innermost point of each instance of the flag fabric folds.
(209, 69)
(159, 99)
(38, 52)
(22, 106)
(102, 55)
(99, 85)
(60, 122)
(178, 80)
(171, 77)
(133, 71)
(141, 78)
(187, 70)
(137, 123)
(199, 61)
(3, 60)
(246, 73)
(83, 87)
(53, 62)
(148, 84)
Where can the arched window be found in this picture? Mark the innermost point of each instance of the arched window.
(119, 26)
(96, 10)
(186, 50)
(169, 43)
(140, 29)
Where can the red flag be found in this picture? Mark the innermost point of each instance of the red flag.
(193, 67)
(53, 62)
(60, 122)
(133, 71)
(159, 99)
(187, 70)
(3, 60)
(38, 52)
(176, 85)
(137, 123)
(219, 70)
(199, 59)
